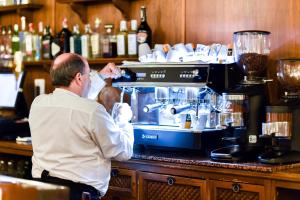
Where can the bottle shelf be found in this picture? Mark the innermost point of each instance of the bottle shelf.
(22, 9)
(92, 62)
(79, 6)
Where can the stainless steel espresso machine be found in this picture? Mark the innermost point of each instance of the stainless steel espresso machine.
(177, 105)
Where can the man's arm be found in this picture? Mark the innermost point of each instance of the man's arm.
(115, 141)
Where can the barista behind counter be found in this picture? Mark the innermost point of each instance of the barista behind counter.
(74, 138)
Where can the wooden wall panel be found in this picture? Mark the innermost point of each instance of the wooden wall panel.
(209, 21)
(46, 14)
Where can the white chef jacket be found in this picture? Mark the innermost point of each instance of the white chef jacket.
(75, 138)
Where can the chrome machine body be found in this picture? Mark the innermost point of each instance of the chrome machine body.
(170, 100)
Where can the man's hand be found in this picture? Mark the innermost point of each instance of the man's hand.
(110, 71)
(121, 113)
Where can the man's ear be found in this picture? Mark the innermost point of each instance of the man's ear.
(78, 79)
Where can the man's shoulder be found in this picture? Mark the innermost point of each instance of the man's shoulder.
(87, 105)
(40, 98)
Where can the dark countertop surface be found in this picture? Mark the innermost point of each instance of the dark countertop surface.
(192, 158)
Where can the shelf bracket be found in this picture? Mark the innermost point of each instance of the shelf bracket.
(123, 6)
(80, 10)
(26, 13)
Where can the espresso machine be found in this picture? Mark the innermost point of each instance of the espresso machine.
(282, 128)
(176, 106)
(243, 107)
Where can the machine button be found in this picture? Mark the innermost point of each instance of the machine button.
(123, 72)
(195, 72)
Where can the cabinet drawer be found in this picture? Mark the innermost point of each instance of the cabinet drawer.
(223, 190)
(122, 185)
(161, 187)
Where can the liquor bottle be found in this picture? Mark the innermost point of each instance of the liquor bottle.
(2, 42)
(86, 42)
(22, 35)
(29, 48)
(37, 42)
(15, 40)
(75, 40)
(132, 39)
(144, 33)
(46, 44)
(8, 46)
(61, 44)
(109, 44)
(96, 40)
(122, 40)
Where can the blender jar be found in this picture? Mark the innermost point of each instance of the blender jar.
(251, 50)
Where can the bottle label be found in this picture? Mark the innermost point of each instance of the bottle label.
(132, 44)
(2, 48)
(85, 46)
(121, 45)
(46, 49)
(72, 50)
(95, 41)
(28, 44)
(55, 49)
(105, 46)
(142, 37)
(15, 39)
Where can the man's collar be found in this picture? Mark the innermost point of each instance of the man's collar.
(62, 90)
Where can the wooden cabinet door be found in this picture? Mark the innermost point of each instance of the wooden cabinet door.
(122, 185)
(166, 187)
(283, 190)
(225, 190)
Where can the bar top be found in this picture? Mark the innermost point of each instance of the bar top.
(190, 158)
(178, 157)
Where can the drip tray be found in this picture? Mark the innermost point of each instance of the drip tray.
(279, 157)
(227, 154)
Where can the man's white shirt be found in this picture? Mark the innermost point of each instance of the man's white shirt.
(75, 138)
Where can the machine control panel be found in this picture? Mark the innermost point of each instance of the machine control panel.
(218, 77)
(165, 73)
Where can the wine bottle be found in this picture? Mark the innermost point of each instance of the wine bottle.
(15, 40)
(96, 40)
(86, 49)
(132, 39)
(122, 40)
(61, 44)
(144, 33)
(46, 43)
(109, 44)
(75, 40)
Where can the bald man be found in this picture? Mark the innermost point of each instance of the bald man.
(74, 138)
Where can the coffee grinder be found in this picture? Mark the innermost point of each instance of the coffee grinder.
(244, 106)
(282, 129)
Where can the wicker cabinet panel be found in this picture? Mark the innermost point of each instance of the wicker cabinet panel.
(161, 187)
(223, 190)
(122, 185)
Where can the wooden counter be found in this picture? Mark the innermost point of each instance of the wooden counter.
(11, 147)
(182, 173)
